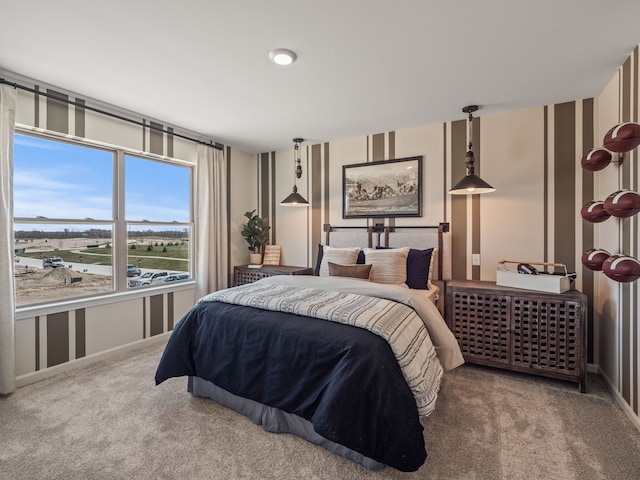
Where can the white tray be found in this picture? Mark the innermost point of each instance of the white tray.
(542, 282)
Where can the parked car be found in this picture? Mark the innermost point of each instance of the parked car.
(174, 277)
(133, 271)
(147, 278)
(52, 262)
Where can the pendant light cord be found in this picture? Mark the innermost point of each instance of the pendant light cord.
(470, 139)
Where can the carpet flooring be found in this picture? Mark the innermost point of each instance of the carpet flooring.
(108, 420)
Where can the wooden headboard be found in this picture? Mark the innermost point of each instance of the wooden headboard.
(418, 237)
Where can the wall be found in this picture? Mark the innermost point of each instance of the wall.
(616, 304)
(242, 190)
(528, 155)
(51, 339)
(77, 332)
(532, 157)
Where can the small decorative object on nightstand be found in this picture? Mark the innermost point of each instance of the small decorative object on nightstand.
(244, 274)
(271, 255)
(522, 330)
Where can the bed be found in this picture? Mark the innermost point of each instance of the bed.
(347, 363)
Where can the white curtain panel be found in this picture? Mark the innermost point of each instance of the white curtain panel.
(8, 97)
(211, 221)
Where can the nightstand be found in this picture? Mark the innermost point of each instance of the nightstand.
(244, 274)
(522, 330)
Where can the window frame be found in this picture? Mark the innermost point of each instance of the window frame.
(118, 224)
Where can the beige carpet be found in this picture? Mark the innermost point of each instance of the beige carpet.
(109, 421)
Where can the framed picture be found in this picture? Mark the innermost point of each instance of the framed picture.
(392, 188)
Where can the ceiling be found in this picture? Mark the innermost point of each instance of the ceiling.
(363, 67)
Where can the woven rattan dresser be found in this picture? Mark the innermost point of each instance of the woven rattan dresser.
(523, 330)
(245, 274)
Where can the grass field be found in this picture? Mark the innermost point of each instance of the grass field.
(168, 257)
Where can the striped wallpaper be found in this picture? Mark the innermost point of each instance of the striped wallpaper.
(532, 157)
(628, 381)
(53, 339)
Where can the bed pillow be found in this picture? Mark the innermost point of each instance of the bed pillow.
(419, 267)
(353, 271)
(344, 256)
(388, 265)
(434, 255)
(359, 261)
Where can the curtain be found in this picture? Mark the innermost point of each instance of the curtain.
(211, 257)
(8, 98)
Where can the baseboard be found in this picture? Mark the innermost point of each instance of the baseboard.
(33, 377)
(625, 406)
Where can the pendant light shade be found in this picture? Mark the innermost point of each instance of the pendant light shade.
(471, 184)
(295, 199)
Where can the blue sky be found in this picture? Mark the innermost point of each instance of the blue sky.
(62, 180)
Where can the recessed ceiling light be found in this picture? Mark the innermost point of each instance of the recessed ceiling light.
(282, 56)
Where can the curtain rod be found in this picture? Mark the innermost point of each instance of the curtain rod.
(108, 114)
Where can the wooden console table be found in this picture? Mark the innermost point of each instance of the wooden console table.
(522, 330)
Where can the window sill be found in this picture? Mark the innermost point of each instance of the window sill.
(30, 311)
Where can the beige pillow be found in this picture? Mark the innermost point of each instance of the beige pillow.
(344, 256)
(433, 256)
(388, 265)
(353, 271)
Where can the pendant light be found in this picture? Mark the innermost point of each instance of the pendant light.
(295, 199)
(471, 183)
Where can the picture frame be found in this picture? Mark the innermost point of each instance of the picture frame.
(389, 188)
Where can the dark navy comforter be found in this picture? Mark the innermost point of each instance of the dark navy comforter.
(345, 380)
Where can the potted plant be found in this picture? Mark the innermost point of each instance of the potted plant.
(256, 234)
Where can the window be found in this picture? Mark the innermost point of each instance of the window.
(81, 228)
(158, 210)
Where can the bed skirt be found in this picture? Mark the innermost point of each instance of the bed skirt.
(275, 420)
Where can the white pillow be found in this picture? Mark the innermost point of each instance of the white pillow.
(343, 256)
(388, 265)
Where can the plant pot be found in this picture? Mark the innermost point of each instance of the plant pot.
(256, 258)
